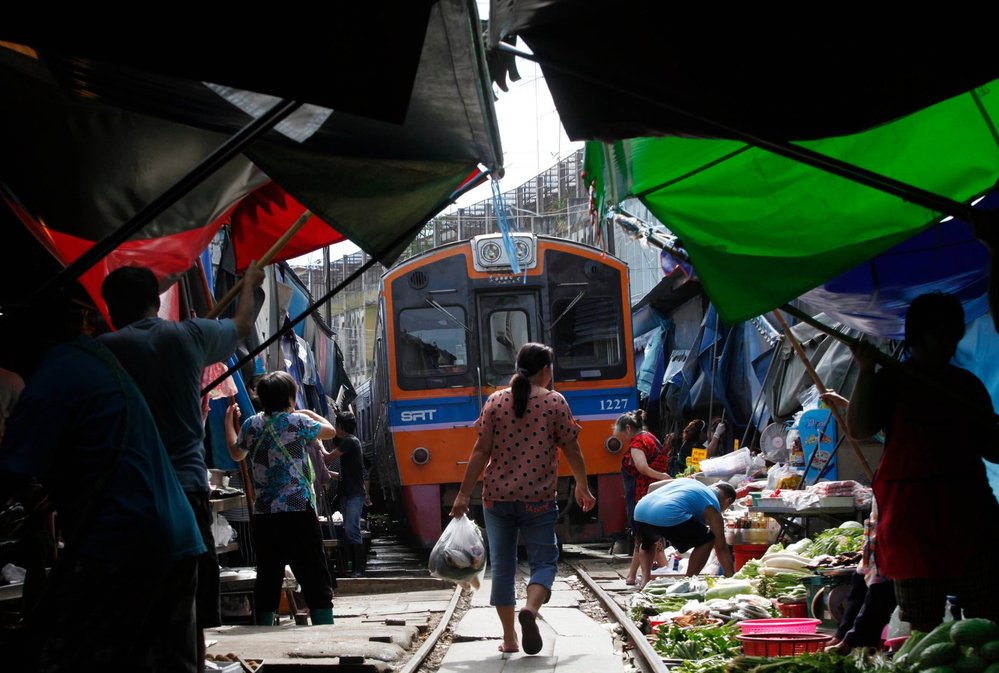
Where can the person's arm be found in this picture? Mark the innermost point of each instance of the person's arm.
(317, 454)
(574, 456)
(712, 445)
(862, 418)
(717, 525)
(476, 464)
(642, 465)
(232, 416)
(985, 432)
(245, 313)
(327, 431)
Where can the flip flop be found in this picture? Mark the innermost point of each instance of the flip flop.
(631, 583)
(506, 651)
(530, 636)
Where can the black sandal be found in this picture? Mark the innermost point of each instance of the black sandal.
(530, 636)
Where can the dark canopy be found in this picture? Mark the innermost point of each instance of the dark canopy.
(613, 66)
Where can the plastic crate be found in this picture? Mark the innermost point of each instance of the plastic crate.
(782, 644)
(780, 625)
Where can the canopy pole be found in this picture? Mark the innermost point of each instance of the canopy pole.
(887, 361)
(174, 193)
(841, 422)
(264, 260)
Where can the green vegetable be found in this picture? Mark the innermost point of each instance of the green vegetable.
(971, 663)
(939, 654)
(698, 642)
(990, 651)
(941, 634)
(836, 541)
(858, 661)
(915, 637)
(728, 589)
(939, 669)
(974, 632)
(846, 525)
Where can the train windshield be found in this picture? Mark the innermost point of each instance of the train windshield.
(587, 334)
(433, 341)
(509, 320)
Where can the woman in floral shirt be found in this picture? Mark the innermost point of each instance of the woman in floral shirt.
(285, 528)
(520, 431)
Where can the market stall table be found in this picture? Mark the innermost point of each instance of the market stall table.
(786, 515)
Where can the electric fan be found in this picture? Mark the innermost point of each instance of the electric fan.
(773, 443)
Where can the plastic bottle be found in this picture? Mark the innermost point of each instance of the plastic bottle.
(951, 611)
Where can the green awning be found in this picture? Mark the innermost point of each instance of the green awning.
(762, 229)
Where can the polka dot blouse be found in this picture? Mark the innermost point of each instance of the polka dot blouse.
(523, 458)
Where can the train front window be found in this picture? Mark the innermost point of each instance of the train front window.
(587, 336)
(508, 321)
(507, 333)
(432, 342)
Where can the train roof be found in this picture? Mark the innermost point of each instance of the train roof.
(467, 242)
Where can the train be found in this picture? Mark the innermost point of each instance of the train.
(450, 322)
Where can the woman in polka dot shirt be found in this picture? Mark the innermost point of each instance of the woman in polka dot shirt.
(520, 431)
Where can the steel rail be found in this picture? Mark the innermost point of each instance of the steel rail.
(428, 645)
(653, 662)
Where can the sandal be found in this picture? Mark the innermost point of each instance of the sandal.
(631, 583)
(504, 650)
(530, 636)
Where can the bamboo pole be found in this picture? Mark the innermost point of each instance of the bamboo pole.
(822, 388)
(886, 360)
(266, 259)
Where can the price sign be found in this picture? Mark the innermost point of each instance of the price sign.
(696, 456)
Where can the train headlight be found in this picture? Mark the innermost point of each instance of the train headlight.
(613, 444)
(421, 455)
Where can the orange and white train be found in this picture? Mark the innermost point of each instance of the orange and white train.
(450, 323)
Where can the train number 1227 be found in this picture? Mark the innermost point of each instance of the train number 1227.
(616, 404)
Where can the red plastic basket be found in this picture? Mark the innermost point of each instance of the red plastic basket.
(782, 644)
(793, 610)
(780, 625)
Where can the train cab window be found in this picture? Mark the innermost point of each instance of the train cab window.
(432, 343)
(507, 333)
(587, 337)
(509, 320)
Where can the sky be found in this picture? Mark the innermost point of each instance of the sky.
(531, 135)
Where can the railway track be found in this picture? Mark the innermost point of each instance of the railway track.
(633, 647)
(431, 626)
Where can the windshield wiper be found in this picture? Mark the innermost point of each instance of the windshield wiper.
(567, 309)
(443, 310)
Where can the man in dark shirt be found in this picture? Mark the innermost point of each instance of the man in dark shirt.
(347, 449)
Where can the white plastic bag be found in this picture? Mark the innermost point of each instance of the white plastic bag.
(222, 531)
(460, 554)
(736, 462)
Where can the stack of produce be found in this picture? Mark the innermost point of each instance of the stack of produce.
(781, 573)
(964, 646)
(698, 642)
(848, 537)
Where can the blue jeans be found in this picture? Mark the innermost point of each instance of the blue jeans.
(535, 521)
(350, 509)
